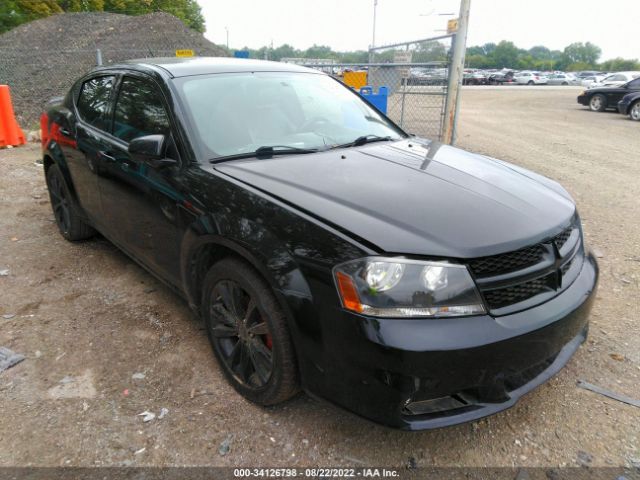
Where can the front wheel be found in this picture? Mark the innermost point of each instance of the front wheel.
(69, 222)
(634, 112)
(530, 82)
(598, 103)
(248, 332)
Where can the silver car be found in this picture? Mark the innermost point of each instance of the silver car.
(561, 79)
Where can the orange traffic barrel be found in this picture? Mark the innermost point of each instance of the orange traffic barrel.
(10, 132)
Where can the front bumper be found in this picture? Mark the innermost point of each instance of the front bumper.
(420, 374)
(583, 99)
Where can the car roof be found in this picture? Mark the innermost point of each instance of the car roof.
(182, 67)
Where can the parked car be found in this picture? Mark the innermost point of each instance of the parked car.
(603, 98)
(630, 105)
(615, 79)
(501, 78)
(561, 79)
(588, 73)
(588, 81)
(413, 283)
(474, 78)
(530, 78)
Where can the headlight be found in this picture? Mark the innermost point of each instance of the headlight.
(394, 287)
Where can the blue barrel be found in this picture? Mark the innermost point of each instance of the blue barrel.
(378, 100)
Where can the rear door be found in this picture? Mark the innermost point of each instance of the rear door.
(139, 201)
(83, 156)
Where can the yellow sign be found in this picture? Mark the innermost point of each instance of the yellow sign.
(452, 26)
(185, 53)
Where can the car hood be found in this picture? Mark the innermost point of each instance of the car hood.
(416, 197)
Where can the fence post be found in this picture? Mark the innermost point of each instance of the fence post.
(403, 83)
(98, 57)
(456, 73)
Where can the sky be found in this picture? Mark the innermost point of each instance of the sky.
(347, 24)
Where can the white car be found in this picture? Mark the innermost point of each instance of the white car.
(530, 78)
(615, 79)
(561, 79)
(587, 81)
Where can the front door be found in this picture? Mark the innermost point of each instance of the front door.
(140, 202)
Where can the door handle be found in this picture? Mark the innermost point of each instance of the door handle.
(106, 156)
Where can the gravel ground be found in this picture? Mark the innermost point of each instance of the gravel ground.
(104, 341)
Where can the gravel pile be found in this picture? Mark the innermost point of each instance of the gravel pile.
(41, 59)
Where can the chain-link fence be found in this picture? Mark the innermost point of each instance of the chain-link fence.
(41, 59)
(416, 75)
(416, 91)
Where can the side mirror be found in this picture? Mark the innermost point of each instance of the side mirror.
(150, 149)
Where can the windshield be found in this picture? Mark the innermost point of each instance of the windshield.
(238, 113)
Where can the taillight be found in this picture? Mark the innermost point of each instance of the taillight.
(44, 129)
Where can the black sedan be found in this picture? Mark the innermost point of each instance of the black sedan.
(630, 105)
(603, 98)
(413, 283)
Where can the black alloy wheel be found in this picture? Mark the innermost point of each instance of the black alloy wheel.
(241, 334)
(60, 204)
(248, 332)
(71, 225)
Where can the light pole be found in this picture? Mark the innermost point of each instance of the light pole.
(227, 29)
(456, 72)
(373, 39)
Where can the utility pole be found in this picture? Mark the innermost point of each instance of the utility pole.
(227, 29)
(373, 39)
(456, 74)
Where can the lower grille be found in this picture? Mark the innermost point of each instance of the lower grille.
(519, 293)
(528, 276)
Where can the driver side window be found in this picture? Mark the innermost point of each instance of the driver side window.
(139, 111)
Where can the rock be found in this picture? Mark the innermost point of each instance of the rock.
(147, 416)
(411, 463)
(163, 413)
(33, 136)
(4, 273)
(617, 357)
(81, 386)
(584, 458)
(138, 376)
(225, 446)
(8, 316)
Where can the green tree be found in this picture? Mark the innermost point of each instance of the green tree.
(16, 12)
(505, 55)
(579, 52)
(620, 64)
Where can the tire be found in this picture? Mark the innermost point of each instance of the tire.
(634, 111)
(248, 333)
(565, 84)
(69, 221)
(598, 103)
(530, 82)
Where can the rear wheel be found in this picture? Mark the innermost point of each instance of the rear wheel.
(598, 103)
(530, 82)
(69, 222)
(248, 333)
(634, 112)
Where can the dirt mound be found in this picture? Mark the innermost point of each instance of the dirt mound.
(41, 59)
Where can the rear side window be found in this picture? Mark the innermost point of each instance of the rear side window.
(139, 111)
(635, 83)
(93, 101)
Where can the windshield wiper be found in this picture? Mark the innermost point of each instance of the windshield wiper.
(265, 152)
(362, 140)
